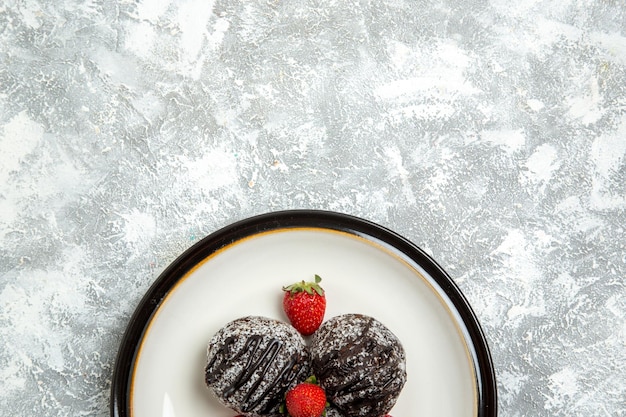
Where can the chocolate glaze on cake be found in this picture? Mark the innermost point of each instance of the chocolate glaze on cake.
(253, 361)
(331, 411)
(360, 364)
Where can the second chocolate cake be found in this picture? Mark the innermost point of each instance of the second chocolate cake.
(360, 364)
(253, 361)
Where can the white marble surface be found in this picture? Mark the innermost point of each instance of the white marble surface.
(490, 133)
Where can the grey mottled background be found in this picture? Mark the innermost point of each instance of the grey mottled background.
(491, 133)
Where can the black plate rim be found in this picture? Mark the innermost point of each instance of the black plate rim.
(149, 304)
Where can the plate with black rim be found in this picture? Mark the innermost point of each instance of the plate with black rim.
(239, 270)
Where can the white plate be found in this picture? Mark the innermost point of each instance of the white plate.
(240, 270)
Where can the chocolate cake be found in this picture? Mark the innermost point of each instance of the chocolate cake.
(253, 361)
(360, 364)
(331, 411)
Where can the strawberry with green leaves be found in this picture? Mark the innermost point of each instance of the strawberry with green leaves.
(305, 304)
(306, 399)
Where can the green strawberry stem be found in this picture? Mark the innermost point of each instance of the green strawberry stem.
(308, 287)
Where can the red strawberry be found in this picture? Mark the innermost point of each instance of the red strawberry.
(305, 304)
(306, 400)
